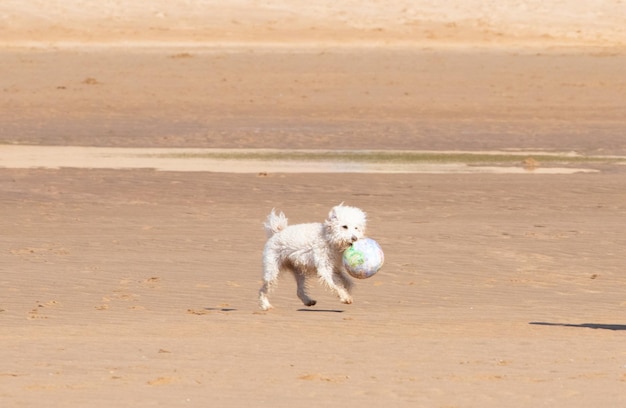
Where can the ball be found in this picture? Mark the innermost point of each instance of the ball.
(364, 258)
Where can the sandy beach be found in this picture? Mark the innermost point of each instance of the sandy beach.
(134, 283)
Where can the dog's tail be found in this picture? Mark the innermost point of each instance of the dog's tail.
(275, 223)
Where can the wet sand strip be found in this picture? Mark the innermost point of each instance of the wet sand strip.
(301, 161)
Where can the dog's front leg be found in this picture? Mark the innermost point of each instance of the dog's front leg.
(336, 283)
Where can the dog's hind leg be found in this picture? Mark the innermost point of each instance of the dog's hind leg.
(270, 279)
(302, 288)
(264, 302)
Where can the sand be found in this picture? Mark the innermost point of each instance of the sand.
(137, 287)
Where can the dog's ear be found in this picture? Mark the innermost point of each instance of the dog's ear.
(332, 215)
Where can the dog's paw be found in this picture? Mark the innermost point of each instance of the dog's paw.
(347, 300)
(265, 305)
(310, 302)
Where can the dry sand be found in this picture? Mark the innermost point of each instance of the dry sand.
(138, 287)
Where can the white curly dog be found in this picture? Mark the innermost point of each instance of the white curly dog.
(309, 249)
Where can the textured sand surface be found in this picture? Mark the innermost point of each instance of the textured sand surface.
(138, 288)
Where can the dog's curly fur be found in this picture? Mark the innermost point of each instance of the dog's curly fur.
(309, 249)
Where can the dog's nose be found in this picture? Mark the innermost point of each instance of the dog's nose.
(355, 238)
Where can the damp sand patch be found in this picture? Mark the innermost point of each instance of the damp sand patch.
(301, 161)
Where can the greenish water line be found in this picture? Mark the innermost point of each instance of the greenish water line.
(390, 157)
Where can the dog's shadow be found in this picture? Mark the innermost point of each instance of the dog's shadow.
(321, 310)
(228, 309)
(596, 326)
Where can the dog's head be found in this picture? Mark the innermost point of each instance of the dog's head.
(345, 225)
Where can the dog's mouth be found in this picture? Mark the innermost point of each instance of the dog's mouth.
(345, 246)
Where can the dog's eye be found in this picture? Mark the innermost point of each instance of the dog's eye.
(344, 226)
